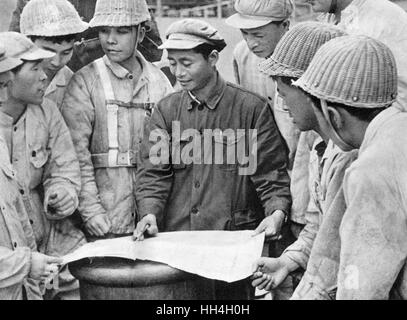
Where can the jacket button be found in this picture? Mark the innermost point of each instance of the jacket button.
(33, 154)
(15, 244)
(15, 129)
(197, 184)
(22, 191)
(31, 221)
(194, 210)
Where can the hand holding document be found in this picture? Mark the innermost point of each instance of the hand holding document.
(221, 255)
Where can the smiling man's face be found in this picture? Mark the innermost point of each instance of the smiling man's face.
(192, 70)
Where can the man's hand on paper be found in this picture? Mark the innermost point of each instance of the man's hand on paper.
(272, 225)
(98, 225)
(43, 266)
(148, 224)
(271, 272)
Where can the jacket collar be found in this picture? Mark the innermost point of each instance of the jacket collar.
(147, 72)
(213, 100)
(377, 123)
(61, 79)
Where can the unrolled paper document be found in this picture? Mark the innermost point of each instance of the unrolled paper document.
(221, 255)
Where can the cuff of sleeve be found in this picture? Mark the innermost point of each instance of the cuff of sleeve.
(88, 211)
(297, 256)
(28, 258)
(150, 206)
(281, 204)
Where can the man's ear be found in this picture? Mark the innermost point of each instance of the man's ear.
(213, 57)
(141, 34)
(336, 118)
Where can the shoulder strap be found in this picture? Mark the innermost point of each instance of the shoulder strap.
(112, 110)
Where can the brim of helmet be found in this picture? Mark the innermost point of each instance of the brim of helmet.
(57, 30)
(239, 21)
(323, 96)
(35, 54)
(274, 68)
(9, 64)
(115, 21)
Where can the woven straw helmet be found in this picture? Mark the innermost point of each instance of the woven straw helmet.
(297, 47)
(50, 18)
(120, 13)
(357, 71)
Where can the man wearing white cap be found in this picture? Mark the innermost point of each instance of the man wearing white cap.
(262, 24)
(53, 25)
(21, 266)
(357, 113)
(205, 194)
(42, 151)
(380, 19)
(105, 107)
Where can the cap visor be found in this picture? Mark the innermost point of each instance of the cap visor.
(180, 44)
(9, 64)
(241, 22)
(37, 54)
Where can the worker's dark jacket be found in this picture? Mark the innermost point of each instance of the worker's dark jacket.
(212, 196)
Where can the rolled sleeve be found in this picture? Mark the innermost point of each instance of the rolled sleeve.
(62, 169)
(79, 114)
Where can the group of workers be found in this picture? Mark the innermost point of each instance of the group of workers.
(114, 149)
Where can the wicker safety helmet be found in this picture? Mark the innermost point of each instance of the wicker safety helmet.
(357, 71)
(120, 13)
(297, 47)
(51, 18)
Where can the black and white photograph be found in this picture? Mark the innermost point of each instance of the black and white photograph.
(206, 155)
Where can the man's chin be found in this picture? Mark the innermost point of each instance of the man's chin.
(261, 54)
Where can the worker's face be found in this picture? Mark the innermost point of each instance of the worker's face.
(63, 54)
(263, 40)
(299, 106)
(28, 84)
(335, 128)
(5, 79)
(119, 43)
(191, 69)
(320, 5)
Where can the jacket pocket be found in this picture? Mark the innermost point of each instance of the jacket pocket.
(38, 156)
(226, 152)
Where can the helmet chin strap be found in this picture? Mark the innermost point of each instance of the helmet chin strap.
(334, 6)
(341, 143)
(137, 35)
